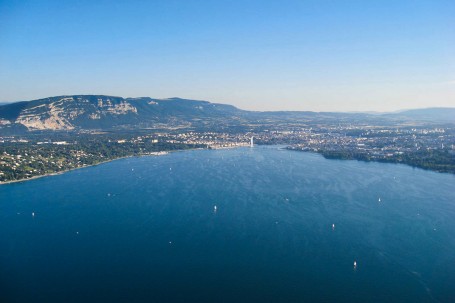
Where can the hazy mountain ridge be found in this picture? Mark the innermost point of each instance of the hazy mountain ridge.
(110, 112)
(443, 114)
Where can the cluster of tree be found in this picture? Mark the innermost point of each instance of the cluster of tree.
(437, 160)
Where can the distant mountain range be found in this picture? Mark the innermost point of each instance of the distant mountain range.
(99, 112)
(442, 114)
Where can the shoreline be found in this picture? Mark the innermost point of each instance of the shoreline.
(165, 152)
(155, 154)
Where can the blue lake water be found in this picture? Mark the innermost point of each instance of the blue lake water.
(145, 230)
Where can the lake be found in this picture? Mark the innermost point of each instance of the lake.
(288, 227)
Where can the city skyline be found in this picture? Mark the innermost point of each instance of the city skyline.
(255, 55)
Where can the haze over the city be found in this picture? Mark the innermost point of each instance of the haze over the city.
(257, 55)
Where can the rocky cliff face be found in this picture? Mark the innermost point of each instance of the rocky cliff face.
(62, 113)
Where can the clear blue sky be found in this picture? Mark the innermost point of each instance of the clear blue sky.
(262, 55)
